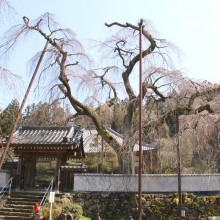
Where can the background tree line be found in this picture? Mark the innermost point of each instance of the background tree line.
(199, 132)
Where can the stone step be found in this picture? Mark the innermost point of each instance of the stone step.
(5, 217)
(19, 214)
(19, 206)
(27, 195)
(22, 201)
(18, 209)
(17, 203)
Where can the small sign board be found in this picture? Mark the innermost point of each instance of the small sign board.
(51, 197)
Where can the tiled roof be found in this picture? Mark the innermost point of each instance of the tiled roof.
(92, 145)
(65, 135)
(119, 138)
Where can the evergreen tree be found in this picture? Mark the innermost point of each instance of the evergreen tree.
(8, 116)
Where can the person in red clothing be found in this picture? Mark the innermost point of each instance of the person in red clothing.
(36, 207)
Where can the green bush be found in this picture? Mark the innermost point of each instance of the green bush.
(62, 205)
(56, 211)
(74, 208)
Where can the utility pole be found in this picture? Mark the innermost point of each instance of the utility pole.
(22, 106)
(140, 124)
(179, 168)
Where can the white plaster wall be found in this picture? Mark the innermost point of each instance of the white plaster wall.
(4, 178)
(150, 183)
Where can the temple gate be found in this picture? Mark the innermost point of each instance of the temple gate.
(45, 145)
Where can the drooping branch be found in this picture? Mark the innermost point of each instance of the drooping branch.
(104, 82)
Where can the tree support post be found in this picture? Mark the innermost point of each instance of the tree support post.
(22, 106)
(181, 213)
(140, 124)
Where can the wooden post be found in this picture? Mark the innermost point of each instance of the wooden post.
(140, 125)
(179, 166)
(57, 180)
(32, 171)
(22, 106)
(19, 172)
(64, 175)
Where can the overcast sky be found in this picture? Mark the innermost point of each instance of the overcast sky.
(192, 25)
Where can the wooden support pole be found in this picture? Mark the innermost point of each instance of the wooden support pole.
(140, 125)
(22, 106)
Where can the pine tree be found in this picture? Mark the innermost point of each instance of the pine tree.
(8, 116)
